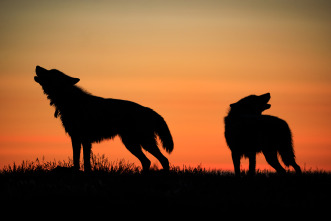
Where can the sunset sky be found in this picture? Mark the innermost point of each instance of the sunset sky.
(187, 60)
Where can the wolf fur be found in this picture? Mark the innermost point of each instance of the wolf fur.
(248, 132)
(88, 119)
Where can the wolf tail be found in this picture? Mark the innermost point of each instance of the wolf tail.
(286, 150)
(162, 130)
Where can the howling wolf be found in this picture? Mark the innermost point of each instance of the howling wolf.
(87, 119)
(248, 132)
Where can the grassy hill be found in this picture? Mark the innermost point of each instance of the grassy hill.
(121, 188)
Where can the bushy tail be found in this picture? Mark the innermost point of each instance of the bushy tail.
(162, 130)
(286, 150)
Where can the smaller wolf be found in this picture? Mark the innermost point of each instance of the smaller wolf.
(248, 132)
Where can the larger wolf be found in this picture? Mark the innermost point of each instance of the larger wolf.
(248, 132)
(88, 118)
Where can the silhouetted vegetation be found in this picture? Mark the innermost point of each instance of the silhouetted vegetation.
(121, 186)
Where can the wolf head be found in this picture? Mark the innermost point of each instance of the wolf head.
(251, 105)
(53, 78)
(53, 81)
(55, 85)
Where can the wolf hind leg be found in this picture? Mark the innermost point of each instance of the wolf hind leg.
(291, 162)
(296, 167)
(135, 149)
(272, 159)
(152, 148)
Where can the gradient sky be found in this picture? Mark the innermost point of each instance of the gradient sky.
(188, 60)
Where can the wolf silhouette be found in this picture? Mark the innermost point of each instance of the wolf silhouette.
(248, 132)
(88, 119)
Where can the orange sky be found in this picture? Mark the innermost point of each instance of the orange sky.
(188, 60)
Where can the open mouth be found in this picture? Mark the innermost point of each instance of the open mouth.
(265, 99)
(39, 70)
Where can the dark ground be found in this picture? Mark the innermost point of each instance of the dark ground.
(190, 192)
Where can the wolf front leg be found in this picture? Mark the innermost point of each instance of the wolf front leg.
(87, 146)
(76, 146)
(236, 163)
(252, 164)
